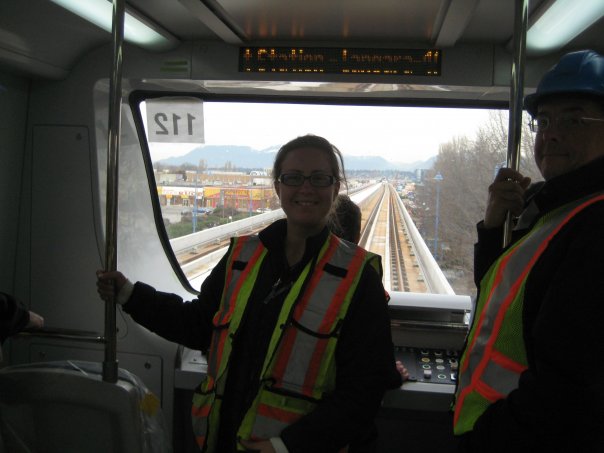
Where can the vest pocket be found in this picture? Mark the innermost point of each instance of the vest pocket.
(276, 410)
(318, 331)
(288, 395)
(304, 364)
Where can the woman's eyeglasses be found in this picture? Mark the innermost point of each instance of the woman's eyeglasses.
(297, 179)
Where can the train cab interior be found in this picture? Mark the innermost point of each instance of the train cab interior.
(73, 97)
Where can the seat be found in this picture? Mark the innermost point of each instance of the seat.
(66, 407)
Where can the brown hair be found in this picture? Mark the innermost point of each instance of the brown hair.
(336, 161)
(345, 219)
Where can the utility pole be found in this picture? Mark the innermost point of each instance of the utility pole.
(438, 178)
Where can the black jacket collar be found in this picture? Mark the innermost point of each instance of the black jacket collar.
(570, 186)
(273, 238)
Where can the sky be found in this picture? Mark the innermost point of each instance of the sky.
(398, 134)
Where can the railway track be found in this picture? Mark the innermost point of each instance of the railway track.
(384, 232)
(399, 280)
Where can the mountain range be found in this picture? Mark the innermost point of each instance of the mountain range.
(245, 157)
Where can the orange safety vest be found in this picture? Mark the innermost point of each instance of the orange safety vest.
(300, 362)
(495, 355)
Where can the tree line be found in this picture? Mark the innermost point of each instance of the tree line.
(467, 168)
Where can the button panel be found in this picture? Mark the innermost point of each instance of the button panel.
(429, 365)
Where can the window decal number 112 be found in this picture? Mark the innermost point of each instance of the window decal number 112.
(175, 120)
(161, 119)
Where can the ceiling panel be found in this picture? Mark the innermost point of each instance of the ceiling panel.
(348, 20)
(174, 17)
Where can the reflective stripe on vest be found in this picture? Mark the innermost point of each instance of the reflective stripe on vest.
(316, 301)
(496, 354)
(243, 264)
(246, 249)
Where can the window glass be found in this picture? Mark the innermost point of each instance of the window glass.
(212, 163)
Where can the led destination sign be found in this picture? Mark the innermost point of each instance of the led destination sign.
(420, 62)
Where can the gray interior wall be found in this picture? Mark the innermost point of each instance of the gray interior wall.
(60, 243)
(57, 250)
(14, 93)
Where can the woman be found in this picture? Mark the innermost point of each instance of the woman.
(294, 320)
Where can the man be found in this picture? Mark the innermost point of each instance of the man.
(529, 377)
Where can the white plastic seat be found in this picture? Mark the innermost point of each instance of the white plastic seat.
(66, 407)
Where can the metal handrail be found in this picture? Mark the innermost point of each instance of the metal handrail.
(64, 334)
(516, 98)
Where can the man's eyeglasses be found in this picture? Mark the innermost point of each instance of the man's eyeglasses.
(316, 180)
(564, 123)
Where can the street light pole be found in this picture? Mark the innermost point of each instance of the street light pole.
(194, 210)
(438, 178)
(201, 164)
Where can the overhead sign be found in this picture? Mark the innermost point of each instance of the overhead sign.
(175, 120)
(341, 60)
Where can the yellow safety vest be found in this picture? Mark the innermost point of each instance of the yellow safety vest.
(495, 355)
(300, 362)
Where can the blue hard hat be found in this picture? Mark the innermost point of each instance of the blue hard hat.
(579, 72)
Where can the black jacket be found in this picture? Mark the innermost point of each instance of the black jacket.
(559, 403)
(364, 354)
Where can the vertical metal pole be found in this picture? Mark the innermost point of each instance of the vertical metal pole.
(110, 365)
(516, 98)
